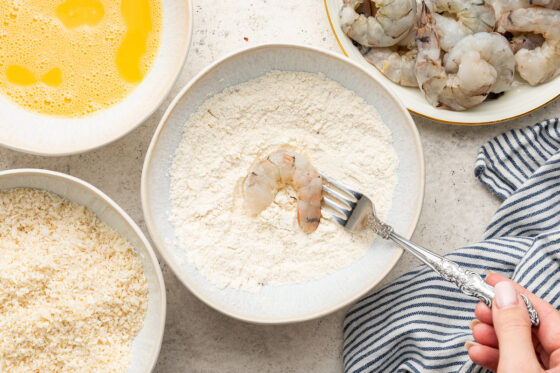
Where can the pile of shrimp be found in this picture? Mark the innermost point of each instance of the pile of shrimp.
(458, 52)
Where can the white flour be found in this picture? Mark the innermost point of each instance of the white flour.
(336, 130)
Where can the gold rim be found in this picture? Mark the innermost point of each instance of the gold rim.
(427, 116)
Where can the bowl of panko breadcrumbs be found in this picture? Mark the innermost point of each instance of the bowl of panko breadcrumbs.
(80, 287)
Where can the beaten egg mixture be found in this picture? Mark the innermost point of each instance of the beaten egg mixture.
(75, 57)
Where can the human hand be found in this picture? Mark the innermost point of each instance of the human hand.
(506, 343)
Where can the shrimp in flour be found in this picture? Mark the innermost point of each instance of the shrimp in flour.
(284, 167)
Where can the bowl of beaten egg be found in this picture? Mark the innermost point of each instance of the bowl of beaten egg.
(82, 288)
(265, 268)
(78, 74)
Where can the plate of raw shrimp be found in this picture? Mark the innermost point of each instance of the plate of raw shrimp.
(456, 61)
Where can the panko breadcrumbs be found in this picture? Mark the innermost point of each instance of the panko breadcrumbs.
(72, 291)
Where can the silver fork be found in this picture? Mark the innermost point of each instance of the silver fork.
(355, 212)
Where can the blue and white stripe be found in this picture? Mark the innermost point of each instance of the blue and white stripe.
(420, 323)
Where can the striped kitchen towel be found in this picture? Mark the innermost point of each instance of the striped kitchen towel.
(420, 323)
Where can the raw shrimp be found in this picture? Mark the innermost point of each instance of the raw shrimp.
(528, 41)
(450, 31)
(461, 18)
(280, 168)
(550, 4)
(390, 23)
(537, 20)
(477, 65)
(396, 63)
(492, 49)
(540, 64)
(501, 6)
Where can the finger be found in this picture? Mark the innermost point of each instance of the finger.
(483, 355)
(541, 353)
(549, 328)
(553, 359)
(540, 305)
(513, 329)
(483, 313)
(484, 334)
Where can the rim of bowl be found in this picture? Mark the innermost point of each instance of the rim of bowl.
(427, 116)
(141, 119)
(74, 180)
(159, 243)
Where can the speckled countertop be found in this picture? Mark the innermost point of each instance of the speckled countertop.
(199, 339)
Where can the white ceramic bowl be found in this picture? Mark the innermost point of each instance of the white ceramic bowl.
(146, 345)
(298, 302)
(518, 101)
(29, 132)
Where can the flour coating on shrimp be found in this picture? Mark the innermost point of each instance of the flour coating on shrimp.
(336, 130)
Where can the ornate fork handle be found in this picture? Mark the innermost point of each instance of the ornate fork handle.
(468, 282)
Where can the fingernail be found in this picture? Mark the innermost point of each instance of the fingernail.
(490, 272)
(505, 294)
(469, 344)
(474, 323)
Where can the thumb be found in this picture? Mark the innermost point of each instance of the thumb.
(513, 329)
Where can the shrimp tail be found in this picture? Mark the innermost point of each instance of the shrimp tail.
(426, 26)
(426, 35)
(430, 74)
(309, 205)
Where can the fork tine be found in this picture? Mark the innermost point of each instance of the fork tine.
(342, 211)
(342, 187)
(338, 220)
(338, 196)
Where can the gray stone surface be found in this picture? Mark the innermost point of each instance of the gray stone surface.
(199, 339)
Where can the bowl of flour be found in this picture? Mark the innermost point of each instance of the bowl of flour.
(264, 268)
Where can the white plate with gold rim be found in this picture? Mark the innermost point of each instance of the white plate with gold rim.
(298, 302)
(147, 343)
(29, 132)
(520, 100)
